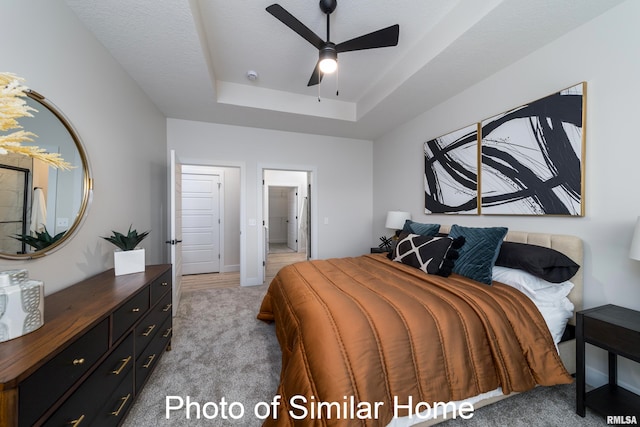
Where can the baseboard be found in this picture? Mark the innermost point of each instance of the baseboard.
(596, 378)
(251, 281)
(231, 268)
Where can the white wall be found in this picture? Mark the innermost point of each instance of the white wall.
(287, 179)
(342, 171)
(604, 53)
(123, 133)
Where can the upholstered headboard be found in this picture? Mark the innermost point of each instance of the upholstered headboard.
(571, 246)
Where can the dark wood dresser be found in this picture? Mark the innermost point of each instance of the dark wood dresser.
(101, 339)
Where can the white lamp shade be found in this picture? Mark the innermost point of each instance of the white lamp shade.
(634, 251)
(396, 219)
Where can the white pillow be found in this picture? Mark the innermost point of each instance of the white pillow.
(535, 287)
(556, 315)
(550, 298)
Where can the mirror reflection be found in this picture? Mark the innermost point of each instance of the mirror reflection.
(41, 206)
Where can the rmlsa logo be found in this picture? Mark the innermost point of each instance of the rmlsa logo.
(621, 419)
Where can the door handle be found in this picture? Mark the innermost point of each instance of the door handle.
(173, 242)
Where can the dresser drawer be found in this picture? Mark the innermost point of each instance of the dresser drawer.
(150, 325)
(112, 413)
(40, 390)
(166, 331)
(84, 404)
(150, 356)
(130, 312)
(160, 286)
(88, 413)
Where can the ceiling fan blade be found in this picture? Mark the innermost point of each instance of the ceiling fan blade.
(382, 38)
(292, 22)
(316, 76)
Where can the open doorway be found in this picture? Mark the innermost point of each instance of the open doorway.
(285, 222)
(286, 219)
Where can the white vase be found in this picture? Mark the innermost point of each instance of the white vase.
(21, 304)
(127, 262)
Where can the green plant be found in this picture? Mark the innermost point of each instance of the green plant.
(40, 240)
(126, 242)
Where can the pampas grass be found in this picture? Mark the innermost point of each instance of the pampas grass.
(13, 106)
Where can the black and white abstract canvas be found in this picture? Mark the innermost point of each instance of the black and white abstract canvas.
(532, 157)
(451, 172)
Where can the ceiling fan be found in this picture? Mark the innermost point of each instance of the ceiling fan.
(327, 50)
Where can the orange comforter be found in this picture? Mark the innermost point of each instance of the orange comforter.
(360, 331)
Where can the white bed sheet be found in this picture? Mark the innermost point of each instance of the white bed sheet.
(409, 421)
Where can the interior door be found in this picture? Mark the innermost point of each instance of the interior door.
(200, 223)
(308, 212)
(175, 225)
(292, 218)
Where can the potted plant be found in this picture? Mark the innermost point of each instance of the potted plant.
(130, 257)
(41, 240)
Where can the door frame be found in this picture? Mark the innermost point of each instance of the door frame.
(175, 227)
(312, 180)
(242, 167)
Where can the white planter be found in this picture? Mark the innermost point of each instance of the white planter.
(127, 262)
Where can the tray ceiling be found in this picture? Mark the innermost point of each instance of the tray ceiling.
(192, 57)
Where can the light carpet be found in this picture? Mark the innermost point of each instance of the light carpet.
(219, 350)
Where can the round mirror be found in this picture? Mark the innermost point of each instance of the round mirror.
(41, 207)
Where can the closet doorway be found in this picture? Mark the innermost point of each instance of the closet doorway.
(286, 219)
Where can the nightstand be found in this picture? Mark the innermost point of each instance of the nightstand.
(617, 330)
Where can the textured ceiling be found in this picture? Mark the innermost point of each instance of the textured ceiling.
(192, 57)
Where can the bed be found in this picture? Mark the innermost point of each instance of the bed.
(376, 342)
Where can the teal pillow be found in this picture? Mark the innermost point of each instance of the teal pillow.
(479, 252)
(420, 228)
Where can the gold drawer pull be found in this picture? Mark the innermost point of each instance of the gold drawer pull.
(77, 422)
(124, 363)
(135, 310)
(167, 307)
(166, 334)
(165, 284)
(124, 402)
(78, 362)
(146, 365)
(148, 331)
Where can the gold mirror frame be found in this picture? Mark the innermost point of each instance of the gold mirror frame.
(87, 183)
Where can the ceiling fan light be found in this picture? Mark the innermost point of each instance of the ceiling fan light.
(328, 59)
(328, 65)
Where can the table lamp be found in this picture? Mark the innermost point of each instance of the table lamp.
(395, 221)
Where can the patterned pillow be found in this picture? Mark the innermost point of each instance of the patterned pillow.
(478, 255)
(428, 253)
